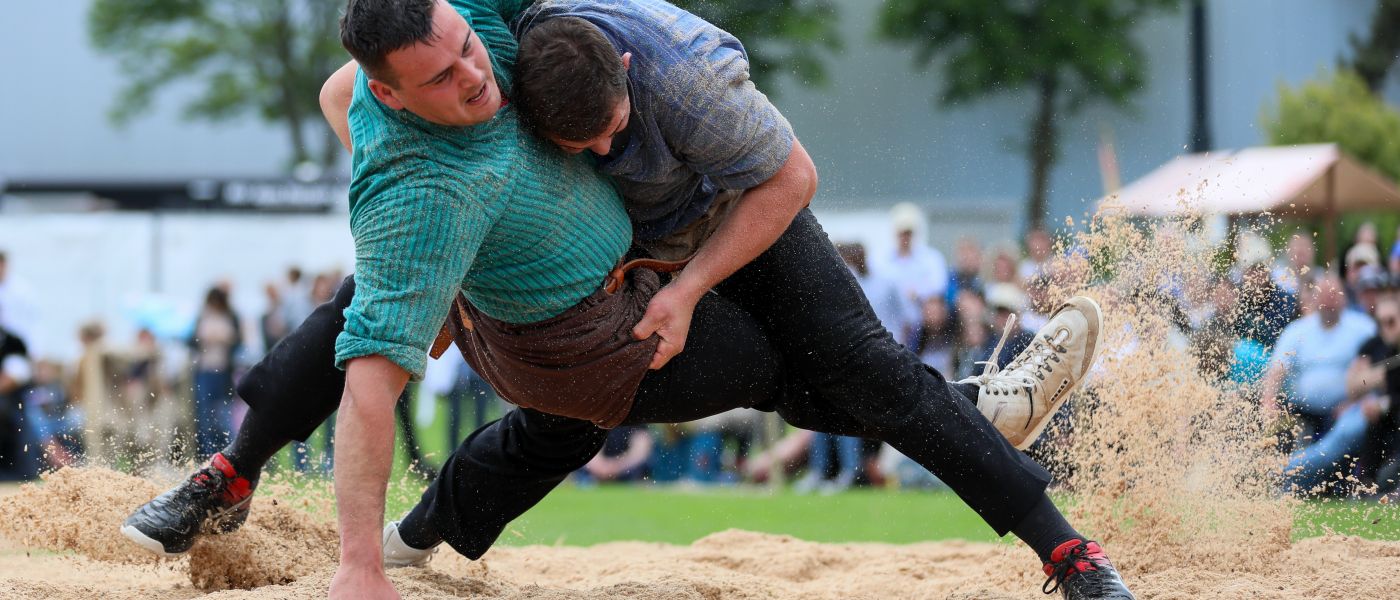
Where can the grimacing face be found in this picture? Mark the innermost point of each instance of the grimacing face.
(447, 80)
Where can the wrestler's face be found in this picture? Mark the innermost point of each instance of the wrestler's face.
(447, 79)
(601, 144)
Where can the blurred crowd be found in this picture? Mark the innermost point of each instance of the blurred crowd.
(1316, 346)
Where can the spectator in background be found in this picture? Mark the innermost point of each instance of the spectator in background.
(216, 340)
(847, 450)
(967, 270)
(1371, 282)
(984, 321)
(896, 310)
(1298, 262)
(1309, 363)
(1373, 374)
(18, 309)
(1039, 304)
(323, 288)
(1359, 257)
(1040, 248)
(54, 427)
(1003, 266)
(467, 388)
(15, 372)
(154, 416)
(703, 443)
(1262, 308)
(1395, 254)
(1367, 234)
(296, 298)
(273, 324)
(917, 270)
(624, 457)
(938, 336)
(93, 388)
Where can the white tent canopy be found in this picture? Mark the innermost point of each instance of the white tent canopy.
(1296, 181)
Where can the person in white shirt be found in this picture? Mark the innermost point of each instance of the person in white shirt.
(917, 270)
(1309, 363)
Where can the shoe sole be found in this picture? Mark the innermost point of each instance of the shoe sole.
(228, 522)
(147, 542)
(1090, 308)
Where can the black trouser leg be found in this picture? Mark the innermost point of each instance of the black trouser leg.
(509, 465)
(294, 388)
(817, 318)
(502, 470)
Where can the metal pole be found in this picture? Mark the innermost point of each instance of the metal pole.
(1330, 226)
(1200, 75)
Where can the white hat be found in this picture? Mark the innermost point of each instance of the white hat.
(907, 217)
(1007, 296)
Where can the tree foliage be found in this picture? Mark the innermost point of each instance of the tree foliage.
(782, 36)
(1375, 54)
(1067, 53)
(262, 57)
(1338, 109)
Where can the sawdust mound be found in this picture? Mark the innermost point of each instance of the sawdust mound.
(81, 510)
(738, 565)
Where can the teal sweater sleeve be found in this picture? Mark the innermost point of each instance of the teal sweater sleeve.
(414, 242)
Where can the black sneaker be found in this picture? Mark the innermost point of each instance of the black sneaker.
(1080, 571)
(214, 500)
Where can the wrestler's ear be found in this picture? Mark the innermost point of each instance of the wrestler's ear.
(385, 94)
(626, 61)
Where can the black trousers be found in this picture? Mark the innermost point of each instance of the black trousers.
(839, 372)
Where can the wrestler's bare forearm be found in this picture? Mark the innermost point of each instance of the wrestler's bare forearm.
(364, 451)
(336, 94)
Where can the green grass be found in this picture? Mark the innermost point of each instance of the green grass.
(584, 516)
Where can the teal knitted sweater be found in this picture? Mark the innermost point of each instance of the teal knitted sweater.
(491, 211)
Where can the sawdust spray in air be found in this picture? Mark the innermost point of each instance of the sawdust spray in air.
(1174, 470)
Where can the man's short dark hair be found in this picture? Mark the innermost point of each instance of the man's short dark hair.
(568, 79)
(371, 29)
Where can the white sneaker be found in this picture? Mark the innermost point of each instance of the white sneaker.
(1021, 399)
(398, 554)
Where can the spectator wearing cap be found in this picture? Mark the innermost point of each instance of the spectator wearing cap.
(917, 270)
(986, 322)
(1371, 283)
(1358, 258)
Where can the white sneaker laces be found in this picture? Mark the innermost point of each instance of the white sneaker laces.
(1038, 357)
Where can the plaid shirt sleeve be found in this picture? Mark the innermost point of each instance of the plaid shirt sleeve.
(719, 123)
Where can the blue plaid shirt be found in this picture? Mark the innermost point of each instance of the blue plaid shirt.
(698, 124)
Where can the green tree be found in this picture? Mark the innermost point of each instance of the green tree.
(781, 36)
(1338, 109)
(1377, 52)
(262, 57)
(1066, 53)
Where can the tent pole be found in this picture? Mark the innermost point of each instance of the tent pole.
(1330, 214)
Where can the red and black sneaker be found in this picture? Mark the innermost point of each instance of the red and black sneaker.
(212, 501)
(1080, 571)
